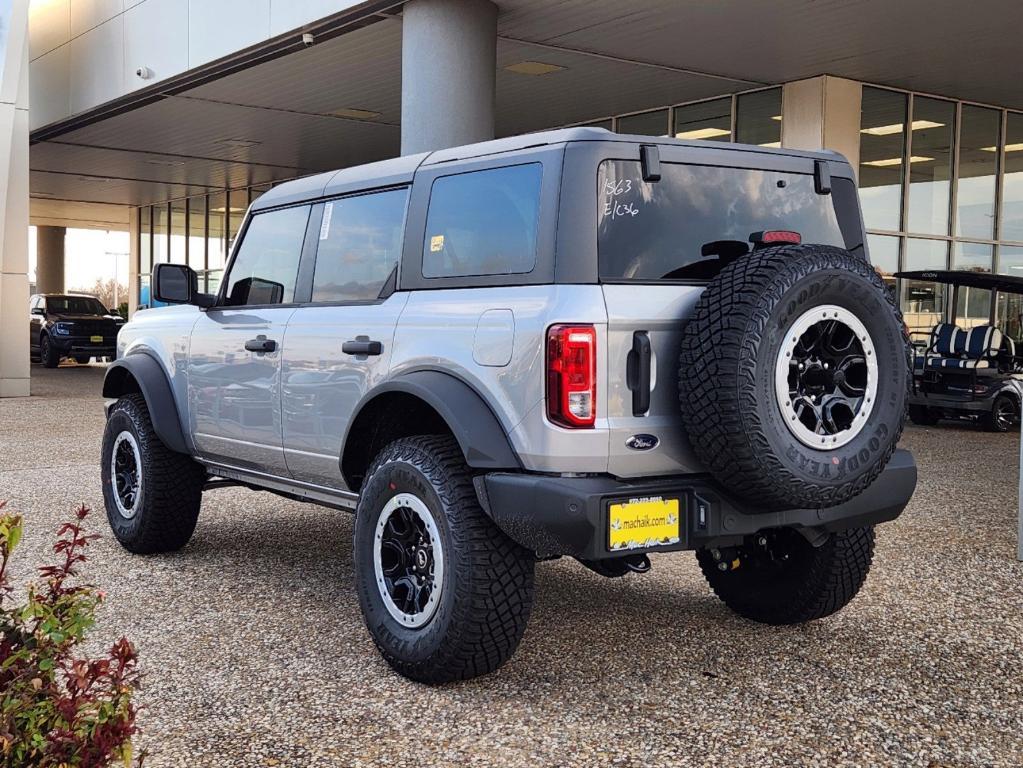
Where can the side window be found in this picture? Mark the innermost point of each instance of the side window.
(483, 222)
(34, 304)
(360, 243)
(266, 267)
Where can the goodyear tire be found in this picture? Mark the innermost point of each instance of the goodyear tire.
(794, 376)
(444, 593)
(778, 577)
(152, 494)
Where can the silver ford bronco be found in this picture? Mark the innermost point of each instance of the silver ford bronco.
(570, 343)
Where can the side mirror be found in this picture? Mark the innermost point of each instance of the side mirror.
(39, 311)
(178, 284)
(256, 290)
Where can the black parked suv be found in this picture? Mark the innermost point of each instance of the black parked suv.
(71, 325)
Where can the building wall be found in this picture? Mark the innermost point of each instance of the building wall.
(85, 53)
(14, 118)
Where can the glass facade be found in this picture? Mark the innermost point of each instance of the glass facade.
(706, 120)
(1012, 189)
(758, 118)
(882, 158)
(930, 145)
(941, 183)
(196, 231)
(752, 117)
(653, 123)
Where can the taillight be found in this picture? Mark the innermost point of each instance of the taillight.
(572, 375)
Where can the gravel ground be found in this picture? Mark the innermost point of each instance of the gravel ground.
(255, 654)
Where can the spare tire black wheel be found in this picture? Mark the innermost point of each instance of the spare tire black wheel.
(794, 376)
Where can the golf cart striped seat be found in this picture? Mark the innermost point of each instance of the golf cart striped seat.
(964, 350)
(947, 342)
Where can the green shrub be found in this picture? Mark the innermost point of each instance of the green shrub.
(59, 709)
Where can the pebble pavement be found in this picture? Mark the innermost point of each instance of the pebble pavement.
(255, 654)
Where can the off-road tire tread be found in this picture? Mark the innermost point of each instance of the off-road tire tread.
(175, 482)
(723, 336)
(495, 591)
(836, 573)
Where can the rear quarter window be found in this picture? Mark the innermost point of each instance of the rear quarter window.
(650, 231)
(483, 222)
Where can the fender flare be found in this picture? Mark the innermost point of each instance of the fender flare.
(480, 435)
(156, 389)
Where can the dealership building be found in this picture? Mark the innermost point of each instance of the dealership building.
(167, 118)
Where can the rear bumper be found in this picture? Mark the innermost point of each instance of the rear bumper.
(569, 515)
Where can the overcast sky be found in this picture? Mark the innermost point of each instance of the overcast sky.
(89, 255)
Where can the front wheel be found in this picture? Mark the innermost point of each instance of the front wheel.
(49, 355)
(444, 593)
(779, 577)
(151, 493)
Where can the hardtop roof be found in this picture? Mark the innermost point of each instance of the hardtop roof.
(400, 170)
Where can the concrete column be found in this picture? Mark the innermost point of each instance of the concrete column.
(50, 259)
(448, 71)
(823, 113)
(14, 370)
(133, 262)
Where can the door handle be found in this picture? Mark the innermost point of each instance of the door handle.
(637, 375)
(362, 345)
(260, 344)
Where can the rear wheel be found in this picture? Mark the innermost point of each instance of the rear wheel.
(49, 355)
(924, 416)
(1004, 414)
(444, 593)
(82, 359)
(151, 493)
(779, 577)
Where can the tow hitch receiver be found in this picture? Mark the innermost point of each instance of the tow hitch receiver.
(618, 566)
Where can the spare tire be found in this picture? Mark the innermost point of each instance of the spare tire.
(794, 376)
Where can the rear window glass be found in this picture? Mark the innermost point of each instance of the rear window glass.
(674, 228)
(483, 222)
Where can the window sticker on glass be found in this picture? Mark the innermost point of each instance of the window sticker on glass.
(328, 211)
(436, 243)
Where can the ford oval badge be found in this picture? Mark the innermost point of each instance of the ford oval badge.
(642, 442)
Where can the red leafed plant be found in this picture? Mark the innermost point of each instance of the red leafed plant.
(58, 709)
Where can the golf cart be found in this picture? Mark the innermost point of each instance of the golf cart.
(969, 372)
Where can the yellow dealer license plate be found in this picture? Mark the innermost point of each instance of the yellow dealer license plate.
(646, 522)
(96, 339)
